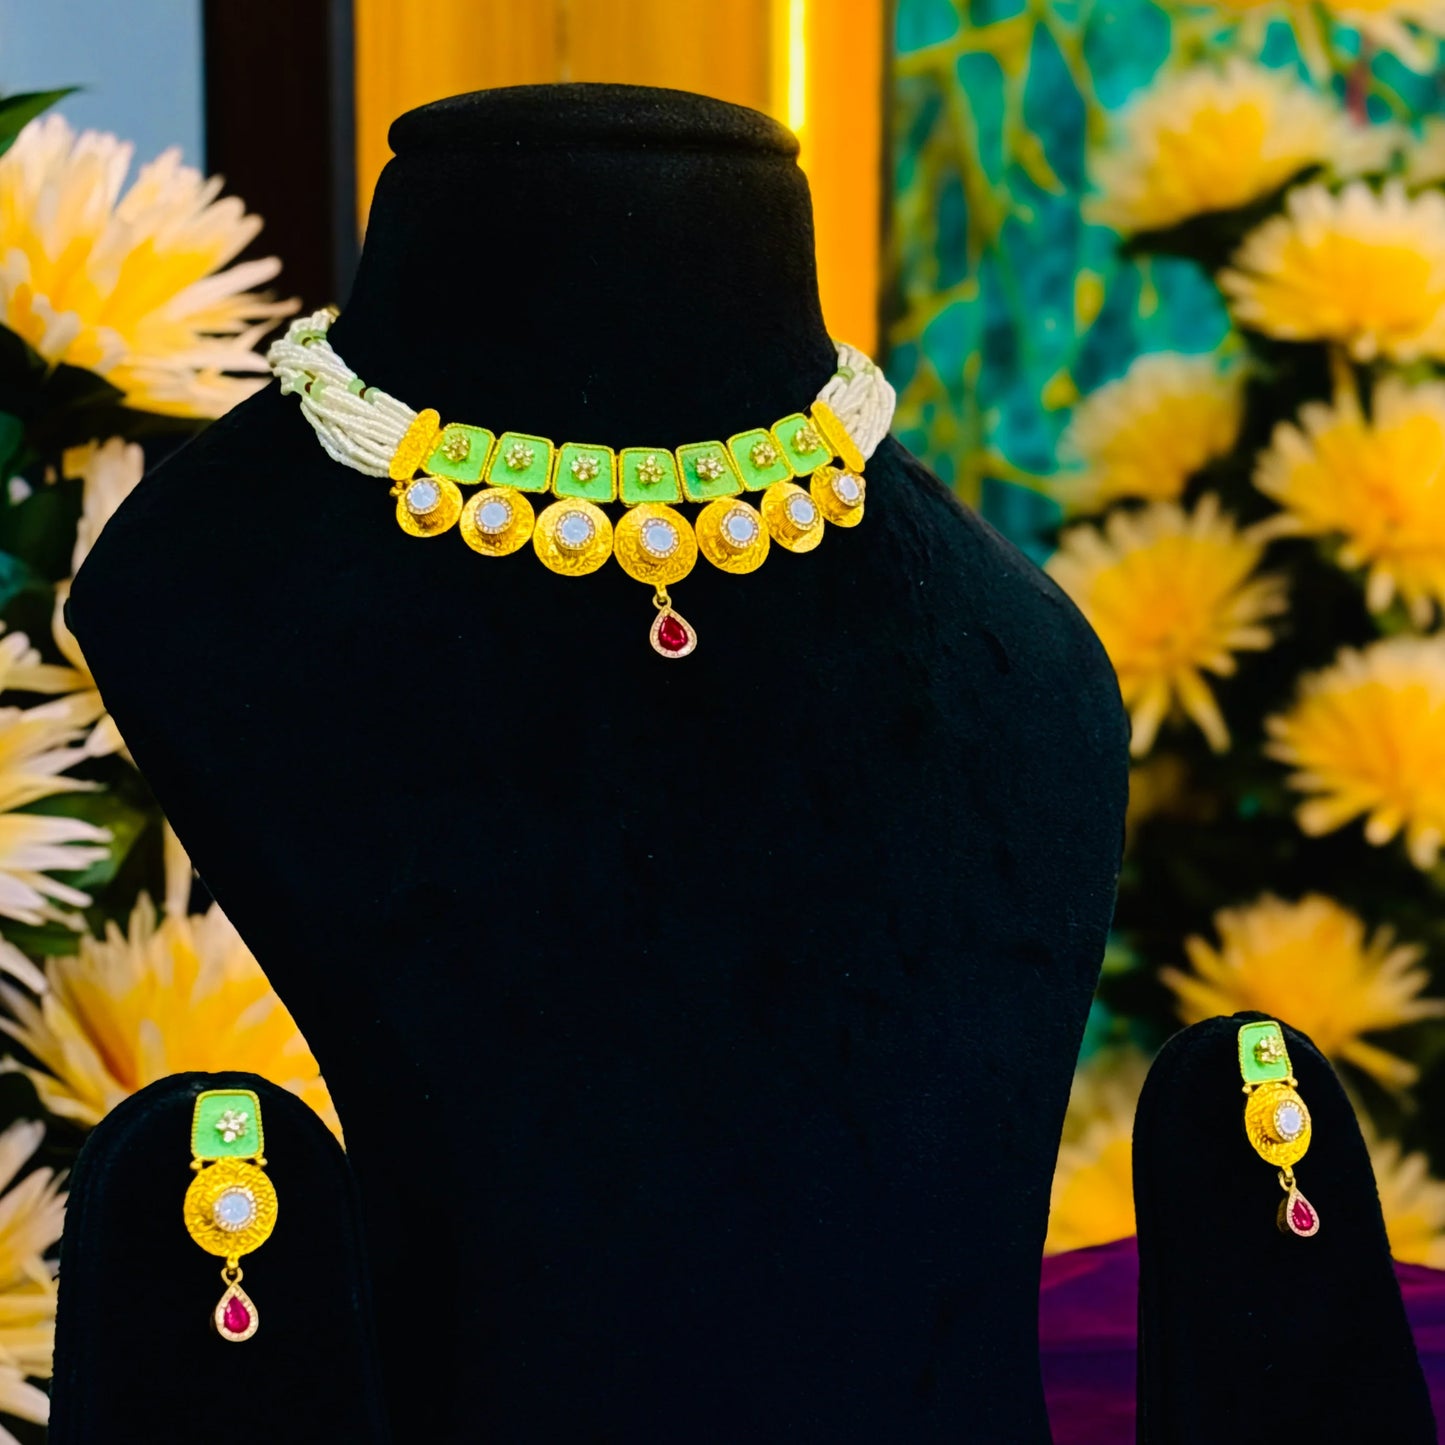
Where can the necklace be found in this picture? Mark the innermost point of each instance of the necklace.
(428, 462)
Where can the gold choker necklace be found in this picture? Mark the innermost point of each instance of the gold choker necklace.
(429, 462)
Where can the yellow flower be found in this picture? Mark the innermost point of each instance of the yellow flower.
(137, 287)
(1367, 736)
(1310, 964)
(1172, 596)
(167, 997)
(1364, 269)
(1376, 482)
(31, 1215)
(1411, 1199)
(1147, 433)
(37, 745)
(108, 474)
(1211, 138)
(1092, 1200)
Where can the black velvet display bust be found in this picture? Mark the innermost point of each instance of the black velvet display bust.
(701, 1030)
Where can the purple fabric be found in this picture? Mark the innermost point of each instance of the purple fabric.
(1087, 1335)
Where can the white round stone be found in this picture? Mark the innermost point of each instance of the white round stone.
(659, 537)
(574, 531)
(494, 515)
(848, 488)
(234, 1209)
(422, 497)
(740, 529)
(1289, 1122)
(801, 510)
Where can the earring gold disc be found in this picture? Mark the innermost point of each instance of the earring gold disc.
(1277, 1124)
(230, 1208)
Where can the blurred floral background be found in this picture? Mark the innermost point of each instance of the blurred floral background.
(1164, 296)
(1177, 324)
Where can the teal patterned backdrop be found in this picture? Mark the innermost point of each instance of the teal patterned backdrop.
(1006, 303)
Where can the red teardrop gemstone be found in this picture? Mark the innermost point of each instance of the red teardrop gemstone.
(673, 633)
(1301, 1215)
(237, 1318)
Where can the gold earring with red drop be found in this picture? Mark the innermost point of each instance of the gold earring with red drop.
(1276, 1120)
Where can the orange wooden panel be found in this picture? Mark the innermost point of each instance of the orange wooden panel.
(820, 61)
(721, 47)
(409, 52)
(842, 135)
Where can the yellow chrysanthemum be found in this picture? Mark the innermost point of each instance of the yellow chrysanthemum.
(1092, 1200)
(138, 287)
(1172, 596)
(1310, 964)
(1147, 433)
(37, 745)
(108, 475)
(1361, 268)
(31, 1215)
(1377, 482)
(1411, 1199)
(1211, 138)
(183, 993)
(1367, 737)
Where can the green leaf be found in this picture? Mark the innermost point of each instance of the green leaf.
(106, 809)
(12, 437)
(41, 529)
(44, 940)
(15, 578)
(17, 111)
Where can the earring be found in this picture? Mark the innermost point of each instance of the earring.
(230, 1206)
(1276, 1121)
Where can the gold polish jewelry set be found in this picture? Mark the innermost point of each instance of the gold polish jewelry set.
(428, 463)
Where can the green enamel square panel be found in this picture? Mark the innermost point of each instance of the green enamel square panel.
(227, 1125)
(1262, 1054)
(584, 471)
(461, 454)
(521, 461)
(648, 474)
(793, 434)
(708, 472)
(751, 451)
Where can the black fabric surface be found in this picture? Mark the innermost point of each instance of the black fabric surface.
(705, 1027)
(1248, 1335)
(137, 1361)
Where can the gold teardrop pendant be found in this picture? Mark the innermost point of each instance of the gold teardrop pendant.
(235, 1317)
(672, 635)
(1297, 1215)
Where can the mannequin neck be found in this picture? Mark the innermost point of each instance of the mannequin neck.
(596, 263)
